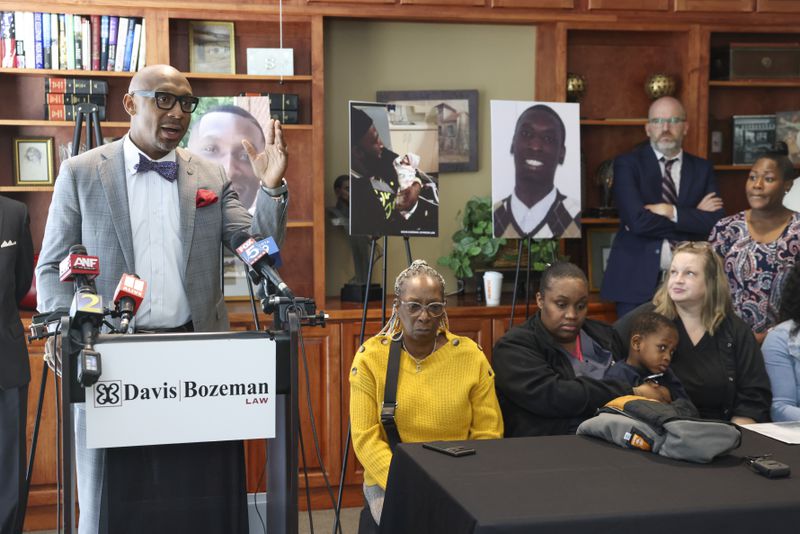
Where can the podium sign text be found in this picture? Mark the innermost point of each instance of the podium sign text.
(178, 390)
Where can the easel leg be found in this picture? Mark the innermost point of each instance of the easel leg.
(516, 282)
(408, 250)
(528, 282)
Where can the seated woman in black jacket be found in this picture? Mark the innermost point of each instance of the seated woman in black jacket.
(549, 370)
(718, 359)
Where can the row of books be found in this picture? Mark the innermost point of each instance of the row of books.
(63, 95)
(31, 40)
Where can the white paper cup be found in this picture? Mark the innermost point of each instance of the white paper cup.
(492, 287)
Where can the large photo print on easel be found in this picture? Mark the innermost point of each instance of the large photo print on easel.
(536, 169)
(393, 176)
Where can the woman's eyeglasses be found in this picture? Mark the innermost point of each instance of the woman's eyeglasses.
(434, 309)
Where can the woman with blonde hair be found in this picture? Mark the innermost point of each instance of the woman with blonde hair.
(718, 359)
(444, 384)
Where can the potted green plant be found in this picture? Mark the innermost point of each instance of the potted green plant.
(473, 244)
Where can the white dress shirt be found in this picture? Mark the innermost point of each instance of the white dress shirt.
(675, 172)
(157, 249)
(529, 218)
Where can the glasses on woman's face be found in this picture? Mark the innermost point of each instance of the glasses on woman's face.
(434, 309)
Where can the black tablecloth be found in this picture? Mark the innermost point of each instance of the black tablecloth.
(566, 484)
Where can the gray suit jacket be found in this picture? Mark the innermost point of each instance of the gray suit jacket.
(90, 207)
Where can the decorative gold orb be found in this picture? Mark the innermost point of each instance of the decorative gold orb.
(576, 86)
(659, 85)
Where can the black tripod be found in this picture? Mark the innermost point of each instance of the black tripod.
(528, 241)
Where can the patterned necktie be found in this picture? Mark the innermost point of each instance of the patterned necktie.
(668, 193)
(167, 169)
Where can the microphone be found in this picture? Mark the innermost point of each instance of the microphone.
(80, 268)
(87, 311)
(261, 255)
(127, 298)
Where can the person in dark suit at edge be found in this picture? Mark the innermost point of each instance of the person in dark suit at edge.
(16, 264)
(664, 196)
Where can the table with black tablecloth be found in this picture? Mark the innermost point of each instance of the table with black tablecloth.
(578, 484)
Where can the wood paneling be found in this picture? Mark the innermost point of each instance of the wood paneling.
(778, 6)
(466, 3)
(534, 4)
(722, 6)
(633, 5)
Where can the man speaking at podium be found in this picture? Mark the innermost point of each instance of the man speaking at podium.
(144, 206)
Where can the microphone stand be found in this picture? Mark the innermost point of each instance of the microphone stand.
(289, 315)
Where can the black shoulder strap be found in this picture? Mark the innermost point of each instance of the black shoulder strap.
(390, 396)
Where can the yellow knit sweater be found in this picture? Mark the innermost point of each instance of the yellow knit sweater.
(452, 397)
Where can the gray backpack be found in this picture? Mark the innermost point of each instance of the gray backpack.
(665, 429)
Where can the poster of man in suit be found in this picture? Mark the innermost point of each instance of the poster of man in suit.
(536, 175)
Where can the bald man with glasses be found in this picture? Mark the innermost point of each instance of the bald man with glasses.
(145, 206)
(664, 195)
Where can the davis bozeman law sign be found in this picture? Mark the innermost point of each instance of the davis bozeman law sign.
(181, 389)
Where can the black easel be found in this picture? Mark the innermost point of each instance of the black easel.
(527, 280)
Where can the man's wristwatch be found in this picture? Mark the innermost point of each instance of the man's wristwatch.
(276, 191)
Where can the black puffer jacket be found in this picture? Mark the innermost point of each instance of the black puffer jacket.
(537, 388)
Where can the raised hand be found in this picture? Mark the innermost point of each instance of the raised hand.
(269, 165)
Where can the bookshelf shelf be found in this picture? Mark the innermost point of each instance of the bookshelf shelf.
(732, 167)
(247, 77)
(71, 73)
(26, 189)
(768, 83)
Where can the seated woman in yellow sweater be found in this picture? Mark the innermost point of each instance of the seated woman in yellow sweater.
(445, 387)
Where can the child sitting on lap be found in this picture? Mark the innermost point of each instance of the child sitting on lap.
(654, 339)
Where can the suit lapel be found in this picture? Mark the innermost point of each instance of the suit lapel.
(187, 191)
(112, 177)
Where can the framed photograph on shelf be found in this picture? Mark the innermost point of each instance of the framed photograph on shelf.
(453, 113)
(752, 135)
(211, 47)
(33, 161)
(598, 248)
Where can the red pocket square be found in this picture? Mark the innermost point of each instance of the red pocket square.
(205, 198)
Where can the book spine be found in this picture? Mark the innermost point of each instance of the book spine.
(47, 52)
(82, 86)
(142, 48)
(96, 36)
(38, 44)
(54, 52)
(75, 98)
(66, 112)
(70, 38)
(113, 31)
(86, 25)
(63, 62)
(284, 102)
(286, 117)
(126, 58)
(28, 39)
(9, 44)
(19, 31)
(137, 35)
(77, 28)
(122, 36)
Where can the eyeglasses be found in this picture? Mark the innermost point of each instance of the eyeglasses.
(167, 101)
(434, 309)
(670, 121)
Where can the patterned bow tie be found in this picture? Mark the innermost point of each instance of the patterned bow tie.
(167, 169)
